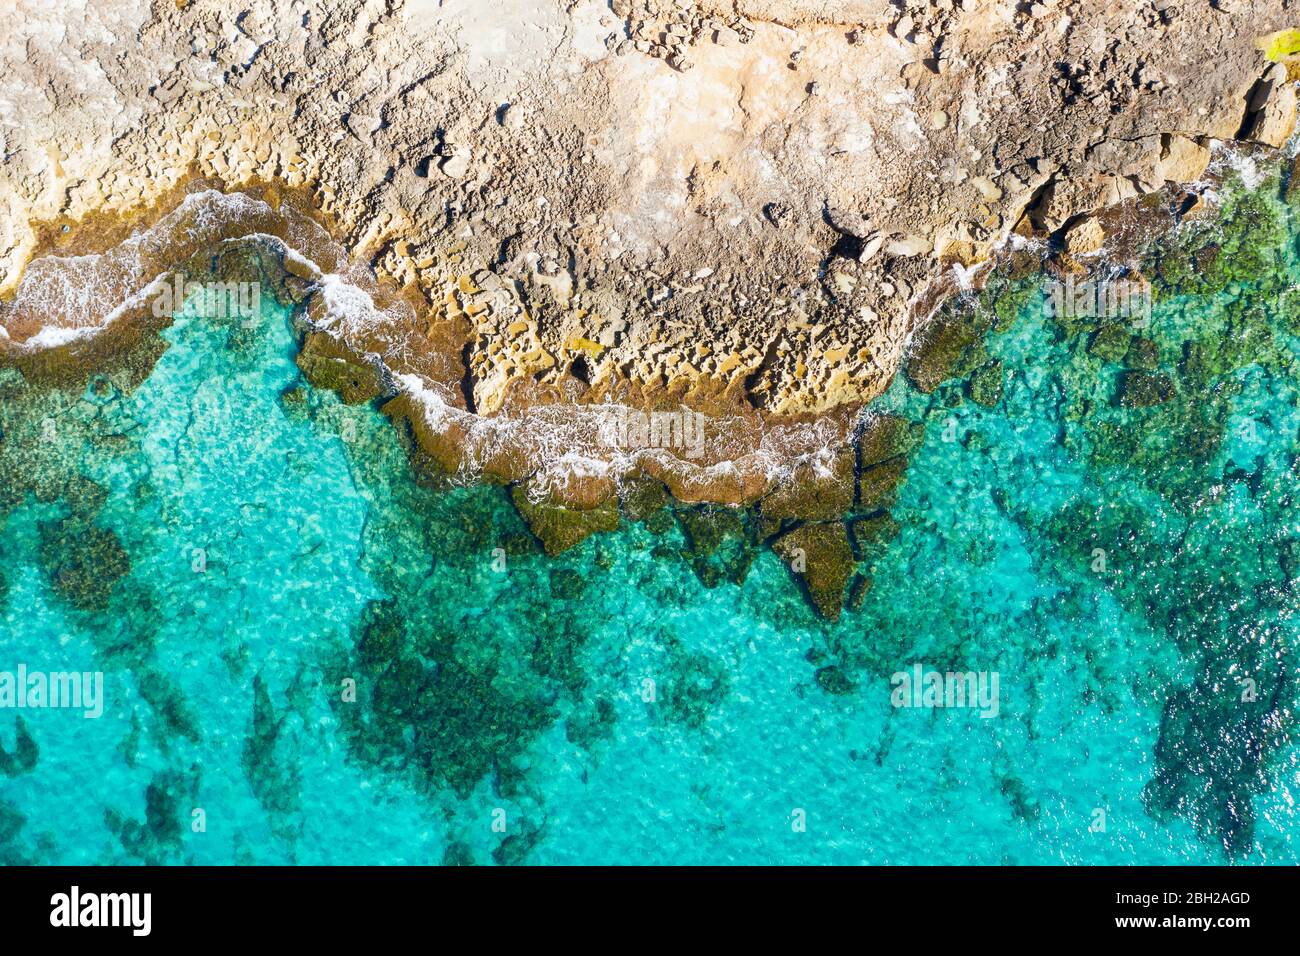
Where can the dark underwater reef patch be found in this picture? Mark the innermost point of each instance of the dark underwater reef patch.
(13, 852)
(64, 416)
(1154, 414)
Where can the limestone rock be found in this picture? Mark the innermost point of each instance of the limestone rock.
(1183, 161)
(1087, 235)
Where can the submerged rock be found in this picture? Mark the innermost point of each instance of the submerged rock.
(871, 535)
(26, 752)
(720, 545)
(878, 486)
(84, 561)
(833, 680)
(941, 346)
(695, 687)
(1140, 389)
(986, 384)
(642, 498)
(819, 556)
(888, 436)
(1110, 343)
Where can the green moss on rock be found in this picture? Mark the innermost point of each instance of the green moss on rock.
(820, 558)
(708, 527)
(327, 363)
(559, 528)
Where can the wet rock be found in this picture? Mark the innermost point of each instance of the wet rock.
(328, 363)
(707, 527)
(878, 485)
(939, 347)
(560, 528)
(660, 522)
(644, 497)
(814, 491)
(719, 545)
(820, 558)
(434, 452)
(888, 436)
(1140, 389)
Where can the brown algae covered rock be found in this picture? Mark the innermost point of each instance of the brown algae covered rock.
(560, 528)
(820, 558)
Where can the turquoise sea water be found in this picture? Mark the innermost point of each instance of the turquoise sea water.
(236, 550)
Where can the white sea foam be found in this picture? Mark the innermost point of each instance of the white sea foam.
(347, 309)
(51, 337)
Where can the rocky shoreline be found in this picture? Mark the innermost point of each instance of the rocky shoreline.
(548, 265)
(758, 200)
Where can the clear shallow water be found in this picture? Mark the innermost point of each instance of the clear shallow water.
(272, 545)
